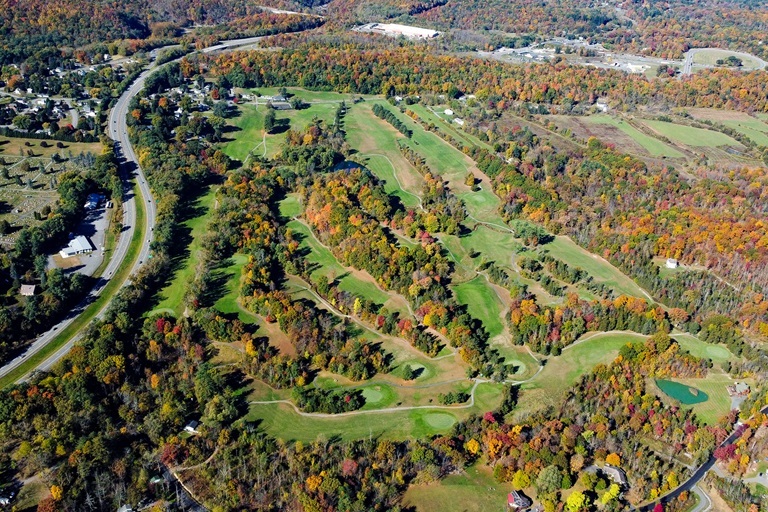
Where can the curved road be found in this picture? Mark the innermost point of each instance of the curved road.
(130, 168)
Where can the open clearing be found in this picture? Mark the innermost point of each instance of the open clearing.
(561, 372)
(690, 136)
(718, 403)
(710, 56)
(652, 145)
(474, 490)
(482, 303)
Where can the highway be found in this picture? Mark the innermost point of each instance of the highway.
(131, 171)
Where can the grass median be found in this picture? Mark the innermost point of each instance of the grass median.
(93, 309)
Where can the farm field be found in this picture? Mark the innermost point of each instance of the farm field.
(652, 145)
(690, 136)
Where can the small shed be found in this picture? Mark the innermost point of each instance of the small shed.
(192, 427)
(28, 290)
(672, 263)
(448, 112)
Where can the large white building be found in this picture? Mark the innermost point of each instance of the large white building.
(78, 245)
(395, 29)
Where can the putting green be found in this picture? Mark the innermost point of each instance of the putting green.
(440, 420)
(373, 394)
(685, 394)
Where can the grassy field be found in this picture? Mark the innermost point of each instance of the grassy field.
(717, 353)
(690, 136)
(475, 490)
(228, 302)
(710, 56)
(755, 129)
(93, 309)
(482, 303)
(381, 166)
(561, 372)
(718, 403)
(654, 146)
(250, 134)
(304, 94)
(445, 125)
(12, 146)
(566, 249)
(172, 296)
(282, 421)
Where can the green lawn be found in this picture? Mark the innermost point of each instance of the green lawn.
(755, 129)
(718, 403)
(228, 302)
(282, 421)
(446, 125)
(381, 166)
(710, 57)
(250, 122)
(566, 249)
(561, 372)
(482, 303)
(690, 136)
(172, 296)
(717, 353)
(652, 145)
(474, 490)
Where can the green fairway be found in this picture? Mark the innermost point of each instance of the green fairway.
(251, 135)
(282, 421)
(686, 395)
(446, 125)
(654, 146)
(565, 249)
(228, 303)
(381, 166)
(690, 136)
(172, 296)
(474, 490)
(291, 206)
(717, 353)
(561, 372)
(482, 303)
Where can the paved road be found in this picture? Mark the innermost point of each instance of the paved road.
(130, 168)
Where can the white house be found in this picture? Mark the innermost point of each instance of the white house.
(192, 427)
(78, 245)
(448, 112)
(672, 263)
(459, 121)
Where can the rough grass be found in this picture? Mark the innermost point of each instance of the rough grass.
(474, 490)
(11, 146)
(652, 145)
(172, 296)
(690, 136)
(755, 129)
